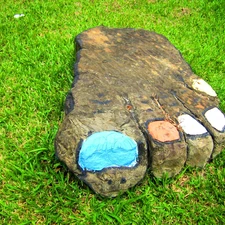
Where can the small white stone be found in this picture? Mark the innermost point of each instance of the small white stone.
(18, 16)
(216, 118)
(203, 86)
(190, 125)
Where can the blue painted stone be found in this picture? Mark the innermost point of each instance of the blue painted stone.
(107, 149)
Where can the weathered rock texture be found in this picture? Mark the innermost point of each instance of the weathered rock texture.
(137, 83)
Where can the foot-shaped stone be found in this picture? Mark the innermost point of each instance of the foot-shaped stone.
(135, 103)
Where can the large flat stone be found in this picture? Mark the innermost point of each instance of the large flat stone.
(135, 82)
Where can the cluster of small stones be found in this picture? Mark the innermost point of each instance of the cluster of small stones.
(135, 104)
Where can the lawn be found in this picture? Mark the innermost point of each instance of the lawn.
(36, 72)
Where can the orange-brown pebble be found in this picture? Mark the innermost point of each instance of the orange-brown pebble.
(129, 107)
(163, 131)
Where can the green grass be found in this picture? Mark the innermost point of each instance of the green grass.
(37, 57)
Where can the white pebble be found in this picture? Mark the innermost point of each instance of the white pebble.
(203, 86)
(18, 16)
(190, 125)
(216, 118)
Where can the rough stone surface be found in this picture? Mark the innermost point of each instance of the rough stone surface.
(137, 83)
